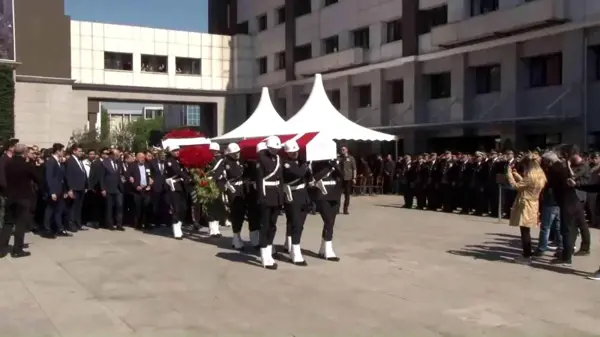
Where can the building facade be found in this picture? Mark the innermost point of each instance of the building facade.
(489, 70)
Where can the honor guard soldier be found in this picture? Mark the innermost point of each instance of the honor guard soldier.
(251, 198)
(270, 197)
(177, 196)
(234, 192)
(327, 177)
(216, 210)
(297, 201)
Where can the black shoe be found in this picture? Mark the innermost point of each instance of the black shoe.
(272, 267)
(179, 238)
(216, 235)
(538, 253)
(582, 253)
(48, 235)
(73, 229)
(22, 253)
(300, 264)
(346, 212)
(25, 246)
(64, 234)
(331, 259)
(81, 228)
(120, 228)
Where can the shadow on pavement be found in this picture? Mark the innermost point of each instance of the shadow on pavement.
(500, 247)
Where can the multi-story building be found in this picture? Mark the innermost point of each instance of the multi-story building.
(63, 74)
(456, 73)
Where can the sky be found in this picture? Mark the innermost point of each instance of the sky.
(188, 15)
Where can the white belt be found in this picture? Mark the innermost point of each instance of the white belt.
(237, 183)
(297, 187)
(329, 182)
(271, 183)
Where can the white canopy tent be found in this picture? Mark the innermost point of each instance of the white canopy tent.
(319, 115)
(264, 121)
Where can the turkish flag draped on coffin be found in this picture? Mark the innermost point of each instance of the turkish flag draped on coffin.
(314, 146)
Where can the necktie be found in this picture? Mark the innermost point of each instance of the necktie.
(160, 167)
(114, 166)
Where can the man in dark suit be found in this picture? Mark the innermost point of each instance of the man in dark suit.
(54, 193)
(112, 190)
(159, 190)
(4, 159)
(140, 180)
(77, 184)
(20, 175)
(96, 204)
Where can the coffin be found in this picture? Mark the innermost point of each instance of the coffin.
(314, 146)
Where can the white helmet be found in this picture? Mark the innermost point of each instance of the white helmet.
(172, 148)
(273, 142)
(214, 146)
(232, 148)
(291, 146)
(261, 146)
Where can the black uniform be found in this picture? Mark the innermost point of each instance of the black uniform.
(297, 201)
(409, 180)
(234, 192)
(270, 194)
(328, 199)
(251, 199)
(177, 197)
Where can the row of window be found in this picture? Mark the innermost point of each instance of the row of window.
(360, 38)
(152, 63)
(543, 71)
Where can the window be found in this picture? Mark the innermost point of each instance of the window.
(151, 113)
(262, 65)
(393, 31)
(282, 106)
(188, 66)
(192, 115)
(595, 57)
(118, 61)
(331, 44)
(243, 28)
(334, 97)
(303, 52)
(431, 18)
(439, 85)
(154, 64)
(480, 7)
(280, 15)
(545, 71)
(364, 96)
(361, 38)
(302, 7)
(397, 91)
(280, 60)
(262, 22)
(330, 2)
(487, 79)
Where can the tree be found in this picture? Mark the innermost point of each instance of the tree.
(122, 136)
(7, 103)
(88, 140)
(104, 125)
(141, 129)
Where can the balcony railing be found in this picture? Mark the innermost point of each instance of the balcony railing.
(334, 61)
(527, 16)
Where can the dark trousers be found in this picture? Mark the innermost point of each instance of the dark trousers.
(409, 195)
(141, 208)
(237, 212)
(328, 211)
(54, 214)
(74, 207)
(295, 214)
(268, 228)
(347, 186)
(526, 241)
(253, 213)
(492, 196)
(571, 222)
(20, 211)
(178, 206)
(93, 207)
(114, 210)
(447, 191)
(160, 207)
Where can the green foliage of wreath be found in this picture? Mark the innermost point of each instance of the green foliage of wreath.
(206, 190)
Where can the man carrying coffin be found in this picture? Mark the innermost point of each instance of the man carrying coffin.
(177, 196)
(216, 210)
(270, 197)
(328, 182)
(296, 200)
(234, 192)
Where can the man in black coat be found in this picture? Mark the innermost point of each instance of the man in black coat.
(77, 184)
(112, 190)
(19, 196)
(54, 194)
(159, 190)
(140, 180)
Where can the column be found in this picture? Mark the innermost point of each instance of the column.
(574, 49)
(459, 89)
(379, 100)
(347, 100)
(293, 103)
(458, 10)
(414, 89)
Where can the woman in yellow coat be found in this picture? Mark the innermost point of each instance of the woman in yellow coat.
(524, 212)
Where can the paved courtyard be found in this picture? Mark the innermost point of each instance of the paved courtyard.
(402, 273)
